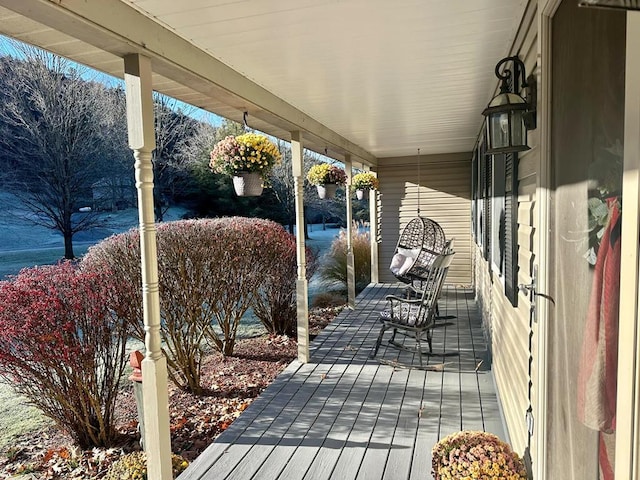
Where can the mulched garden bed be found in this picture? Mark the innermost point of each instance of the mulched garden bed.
(232, 383)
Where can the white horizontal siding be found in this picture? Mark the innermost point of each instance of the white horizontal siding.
(441, 188)
(509, 326)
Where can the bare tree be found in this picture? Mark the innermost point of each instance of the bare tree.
(53, 126)
(283, 185)
(174, 125)
(117, 177)
(197, 147)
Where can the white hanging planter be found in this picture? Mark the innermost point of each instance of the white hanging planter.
(327, 190)
(360, 193)
(247, 184)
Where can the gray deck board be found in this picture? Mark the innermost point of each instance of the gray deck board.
(375, 458)
(335, 440)
(400, 457)
(358, 438)
(346, 416)
(428, 427)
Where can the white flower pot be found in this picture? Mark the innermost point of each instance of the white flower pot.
(247, 184)
(360, 193)
(327, 190)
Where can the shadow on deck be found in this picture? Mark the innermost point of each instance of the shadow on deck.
(344, 416)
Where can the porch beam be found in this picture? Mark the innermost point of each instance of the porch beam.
(302, 288)
(140, 123)
(351, 276)
(118, 28)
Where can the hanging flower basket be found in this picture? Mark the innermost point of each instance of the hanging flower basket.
(249, 153)
(326, 191)
(363, 182)
(326, 178)
(247, 184)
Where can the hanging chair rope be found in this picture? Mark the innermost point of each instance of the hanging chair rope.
(418, 182)
(420, 242)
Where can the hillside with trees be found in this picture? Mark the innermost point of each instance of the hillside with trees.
(64, 153)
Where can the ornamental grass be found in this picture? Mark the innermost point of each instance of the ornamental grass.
(335, 265)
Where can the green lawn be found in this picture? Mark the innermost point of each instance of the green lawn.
(12, 261)
(17, 417)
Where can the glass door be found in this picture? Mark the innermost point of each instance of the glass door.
(587, 130)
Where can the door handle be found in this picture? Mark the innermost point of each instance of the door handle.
(531, 289)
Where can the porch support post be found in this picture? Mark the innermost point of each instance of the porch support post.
(351, 275)
(302, 288)
(627, 464)
(140, 121)
(373, 233)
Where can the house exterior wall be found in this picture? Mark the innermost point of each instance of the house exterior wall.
(525, 370)
(441, 186)
(509, 327)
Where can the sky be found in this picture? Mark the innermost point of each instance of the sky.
(7, 47)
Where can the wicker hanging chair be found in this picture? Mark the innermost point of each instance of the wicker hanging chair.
(421, 241)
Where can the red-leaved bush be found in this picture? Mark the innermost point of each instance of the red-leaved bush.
(63, 348)
(275, 302)
(210, 273)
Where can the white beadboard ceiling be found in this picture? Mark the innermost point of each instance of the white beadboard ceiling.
(373, 78)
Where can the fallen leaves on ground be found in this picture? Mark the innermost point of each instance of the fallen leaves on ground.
(231, 385)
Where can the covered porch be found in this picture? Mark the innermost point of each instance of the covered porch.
(344, 415)
(375, 93)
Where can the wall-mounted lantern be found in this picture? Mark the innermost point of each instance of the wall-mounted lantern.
(509, 116)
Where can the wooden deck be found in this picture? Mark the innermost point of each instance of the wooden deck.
(344, 416)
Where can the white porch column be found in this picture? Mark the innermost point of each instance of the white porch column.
(302, 289)
(351, 274)
(373, 234)
(140, 120)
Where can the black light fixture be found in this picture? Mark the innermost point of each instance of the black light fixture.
(509, 116)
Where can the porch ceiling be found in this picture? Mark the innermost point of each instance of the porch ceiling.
(371, 78)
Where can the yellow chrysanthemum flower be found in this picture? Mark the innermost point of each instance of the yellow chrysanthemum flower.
(249, 152)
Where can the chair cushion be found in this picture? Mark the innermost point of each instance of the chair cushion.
(402, 314)
(397, 262)
(405, 255)
(408, 263)
(409, 252)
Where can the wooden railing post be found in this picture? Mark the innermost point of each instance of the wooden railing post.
(140, 123)
(351, 275)
(302, 288)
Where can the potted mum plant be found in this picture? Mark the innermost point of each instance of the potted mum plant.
(326, 178)
(363, 182)
(248, 158)
(472, 455)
